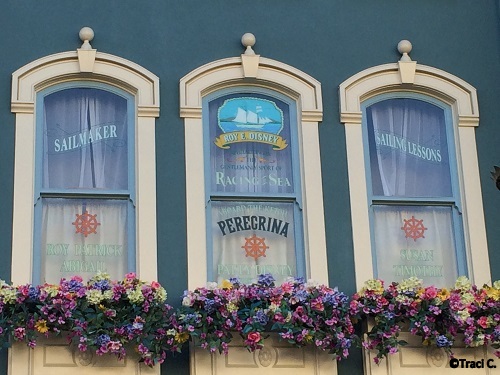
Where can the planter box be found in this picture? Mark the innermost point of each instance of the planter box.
(416, 359)
(54, 356)
(277, 357)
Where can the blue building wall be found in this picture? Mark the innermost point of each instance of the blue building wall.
(330, 40)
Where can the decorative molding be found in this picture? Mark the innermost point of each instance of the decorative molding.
(52, 70)
(285, 80)
(271, 74)
(462, 98)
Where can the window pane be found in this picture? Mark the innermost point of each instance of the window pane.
(83, 237)
(250, 150)
(408, 149)
(415, 241)
(85, 140)
(252, 238)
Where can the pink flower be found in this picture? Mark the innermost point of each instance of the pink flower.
(287, 287)
(130, 275)
(254, 337)
(316, 304)
(483, 322)
(430, 292)
(155, 285)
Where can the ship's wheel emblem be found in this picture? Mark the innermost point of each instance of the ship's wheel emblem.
(255, 247)
(414, 228)
(86, 223)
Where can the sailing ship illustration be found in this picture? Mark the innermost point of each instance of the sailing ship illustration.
(246, 118)
(249, 119)
(251, 114)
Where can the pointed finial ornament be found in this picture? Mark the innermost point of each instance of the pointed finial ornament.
(86, 35)
(404, 48)
(248, 41)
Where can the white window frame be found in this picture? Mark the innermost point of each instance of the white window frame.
(232, 73)
(408, 76)
(63, 68)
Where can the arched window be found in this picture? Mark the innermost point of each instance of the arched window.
(252, 175)
(410, 130)
(84, 167)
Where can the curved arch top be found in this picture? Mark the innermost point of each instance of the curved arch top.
(271, 74)
(427, 80)
(64, 67)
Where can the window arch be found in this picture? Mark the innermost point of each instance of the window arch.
(458, 98)
(262, 79)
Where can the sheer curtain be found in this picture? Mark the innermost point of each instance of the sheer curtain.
(240, 254)
(85, 140)
(67, 251)
(84, 147)
(403, 253)
(408, 149)
(409, 160)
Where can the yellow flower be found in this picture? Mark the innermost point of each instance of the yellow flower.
(181, 337)
(443, 294)
(231, 307)
(308, 338)
(226, 284)
(41, 326)
(492, 293)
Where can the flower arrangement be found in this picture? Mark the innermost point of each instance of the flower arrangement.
(438, 315)
(100, 316)
(105, 316)
(300, 313)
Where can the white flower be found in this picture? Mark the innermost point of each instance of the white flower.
(462, 283)
(135, 295)
(187, 301)
(411, 284)
(312, 283)
(211, 285)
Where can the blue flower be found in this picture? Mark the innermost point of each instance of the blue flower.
(266, 279)
(102, 340)
(442, 341)
(261, 317)
(33, 292)
(101, 285)
(210, 305)
(74, 285)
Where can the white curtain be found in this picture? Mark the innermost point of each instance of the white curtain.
(85, 140)
(408, 149)
(422, 246)
(67, 251)
(84, 147)
(273, 250)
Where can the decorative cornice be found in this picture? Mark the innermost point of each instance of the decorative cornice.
(22, 107)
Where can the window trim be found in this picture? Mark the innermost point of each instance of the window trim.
(41, 193)
(63, 68)
(462, 99)
(274, 76)
(295, 197)
(453, 201)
